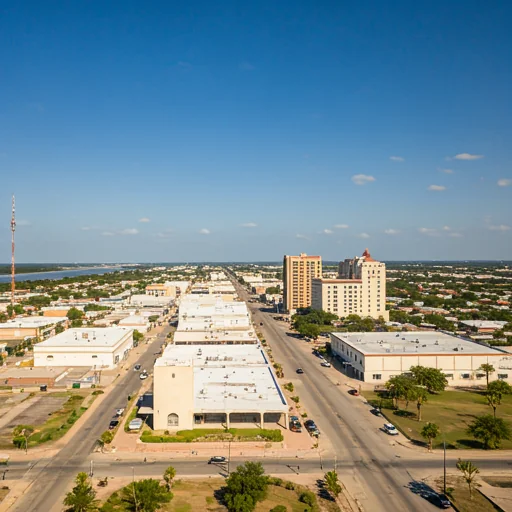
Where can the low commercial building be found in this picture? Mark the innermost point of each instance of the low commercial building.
(148, 301)
(218, 336)
(138, 322)
(30, 327)
(99, 348)
(484, 326)
(216, 385)
(377, 356)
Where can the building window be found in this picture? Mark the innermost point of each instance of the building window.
(95, 357)
(173, 375)
(502, 376)
(173, 420)
(49, 357)
(464, 375)
(448, 375)
(377, 376)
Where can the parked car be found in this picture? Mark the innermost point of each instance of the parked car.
(325, 364)
(217, 460)
(390, 429)
(354, 392)
(120, 411)
(143, 376)
(300, 370)
(137, 367)
(376, 411)
(311, 427)
(113, 424)
(439, 500)
(135, 424)
(295, 425)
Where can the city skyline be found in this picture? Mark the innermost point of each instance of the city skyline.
(205, 133)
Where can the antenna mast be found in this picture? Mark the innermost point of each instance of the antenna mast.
(13, 268)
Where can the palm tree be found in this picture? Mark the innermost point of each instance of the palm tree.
(487, 369)
(469, 472)
(83, 497)
(421, 396)
(169, 475)
(495, 392)
(430, 431)
(332, 484)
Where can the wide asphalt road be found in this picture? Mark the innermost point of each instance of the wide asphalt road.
(52, 479)
(373, 474)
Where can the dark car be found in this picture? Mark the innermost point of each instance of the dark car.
(439, 500)
(311, 427)
(261, 323)
(217, 460)
(113, 424)
(300, 370)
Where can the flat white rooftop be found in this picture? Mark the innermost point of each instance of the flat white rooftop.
(86, 337)
(213, 335)
(32, 322)
(412, 342)
(484, 324)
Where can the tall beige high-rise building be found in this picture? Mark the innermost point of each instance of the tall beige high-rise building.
(360, 289)
(298, 272)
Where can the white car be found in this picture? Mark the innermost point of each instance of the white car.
(325, 364)
(143, 376)
(135, 424)
(390, 429)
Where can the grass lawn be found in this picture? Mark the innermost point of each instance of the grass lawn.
(58, 422)
(453, 411)
(461, 500)
(213, 434)
(193, 495)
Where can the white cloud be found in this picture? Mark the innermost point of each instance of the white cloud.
(86, 228)
(363, 235)
(455, 235)
(436, 188)
(204, 231)
(447, 228)
(428, 231)
(397, 158)
(167, 233)
(144, 220)
(107, 233)
(391, 231)
(129, 231)
(249, 225)
(362, 179)
(467, 156)
(504, 182)
(301, 237)
(341, 226)
(23, 223)
(446, 171)
(326, 231)
(501, 227)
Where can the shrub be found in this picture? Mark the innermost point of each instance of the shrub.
(279, 508)
(278, 482)
(98, 392)
(290, 486)
(308, 498)
(289, 387)
(296, 399)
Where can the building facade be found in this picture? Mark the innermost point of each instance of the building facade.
(298, 273)
(359, 290)
(375, 357)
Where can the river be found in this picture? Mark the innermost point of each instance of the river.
(59, 274)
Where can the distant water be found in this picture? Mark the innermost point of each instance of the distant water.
(58, 274)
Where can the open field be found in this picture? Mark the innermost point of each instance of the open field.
(192, 495)
(452, 410)
(52, 416)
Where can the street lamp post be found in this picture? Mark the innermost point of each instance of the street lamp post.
(229, 457)
(444, 464)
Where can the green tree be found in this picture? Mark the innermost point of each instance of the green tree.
(107, 437)
(432, 378)
(332, 483)
(430, 431)
(245, 487)
(399, 387)
(420, 396)
(490, 430)
(59, 328)
(469, 472)
(145, 496)
(83, 497)
(21, 435)
(16, 310)
(495, 392)
(169, 475)
(309, 330)
(488, 369)
(137, 336)
(74, 314)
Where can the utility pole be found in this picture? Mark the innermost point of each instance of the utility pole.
(13, 267)
(444, 464)
(229, 456)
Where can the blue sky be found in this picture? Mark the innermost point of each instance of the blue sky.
(189, 131)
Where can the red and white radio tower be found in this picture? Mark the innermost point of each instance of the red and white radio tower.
(13, 268)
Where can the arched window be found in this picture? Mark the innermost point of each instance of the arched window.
(172, 420)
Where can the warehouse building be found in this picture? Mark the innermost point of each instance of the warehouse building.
(216, 385)
(377, 356)
(21, 328)
(98, 348)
